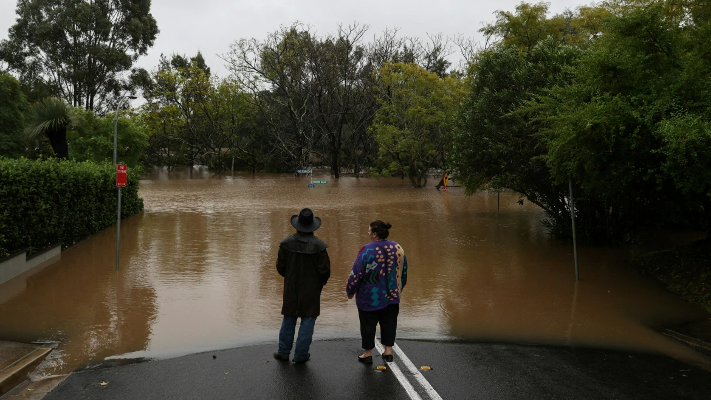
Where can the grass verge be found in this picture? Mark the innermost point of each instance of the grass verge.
(685, 271)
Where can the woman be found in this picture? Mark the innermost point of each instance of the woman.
(378, 276)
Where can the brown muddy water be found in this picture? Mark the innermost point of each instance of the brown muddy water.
(198, 273)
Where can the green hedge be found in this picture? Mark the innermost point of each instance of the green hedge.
(48, 201)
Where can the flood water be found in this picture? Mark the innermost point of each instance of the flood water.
(197, 273)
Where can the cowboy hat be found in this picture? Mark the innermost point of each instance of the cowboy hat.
(305, 221)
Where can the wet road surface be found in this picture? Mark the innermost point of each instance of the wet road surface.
(458, 371)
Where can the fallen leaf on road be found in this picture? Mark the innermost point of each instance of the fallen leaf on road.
(104, 383)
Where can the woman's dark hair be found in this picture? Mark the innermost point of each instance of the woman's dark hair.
(380, 228)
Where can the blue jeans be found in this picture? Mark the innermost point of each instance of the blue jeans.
(286, 336)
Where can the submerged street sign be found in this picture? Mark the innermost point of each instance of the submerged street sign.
(303, 171)
(320, 182)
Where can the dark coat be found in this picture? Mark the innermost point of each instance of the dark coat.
(303, 262)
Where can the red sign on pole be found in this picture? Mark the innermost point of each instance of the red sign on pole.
(121, 175)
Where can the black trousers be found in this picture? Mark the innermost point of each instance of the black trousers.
(386, 317)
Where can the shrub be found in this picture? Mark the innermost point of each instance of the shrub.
(48, 201)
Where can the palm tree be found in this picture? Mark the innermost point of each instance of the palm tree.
(52, 117)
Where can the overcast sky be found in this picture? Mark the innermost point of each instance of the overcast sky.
(210, 26)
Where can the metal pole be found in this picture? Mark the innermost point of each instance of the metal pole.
(497, 200)
(118, 106)
(572, 217)
(118, 220)
(116, 127)
(569, 332)
(118, 229)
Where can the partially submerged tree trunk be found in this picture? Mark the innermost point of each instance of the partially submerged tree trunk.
(418, 177)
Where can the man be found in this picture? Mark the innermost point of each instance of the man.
(305, 266)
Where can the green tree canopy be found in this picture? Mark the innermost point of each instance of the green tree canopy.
(77, 49)
(13, 106)
(93, 138)
(315, 94)
(530, 24)
(198, 118)
(412, 125)
(496, 147)
(633, 127)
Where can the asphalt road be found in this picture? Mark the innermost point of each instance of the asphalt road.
(458, 371)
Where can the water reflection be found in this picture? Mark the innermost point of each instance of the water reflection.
(197, 273)
(92, 311)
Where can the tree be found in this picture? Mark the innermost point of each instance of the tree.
(52, 118)
(316, 94)
(496, 147)
(687, 150)
(276, 73)
(13, 105)
(524, 28)
(199, 117)
(93, 138)
(341, 106)
(633, 126)
(344, 99)
(529, 25)
(78, 50)
(498, 143)
(412, 125)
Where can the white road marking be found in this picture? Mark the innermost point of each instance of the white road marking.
(413, 370)
(417, 374)
(399, 375)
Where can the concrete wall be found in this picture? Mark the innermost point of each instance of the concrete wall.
(19, 264)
